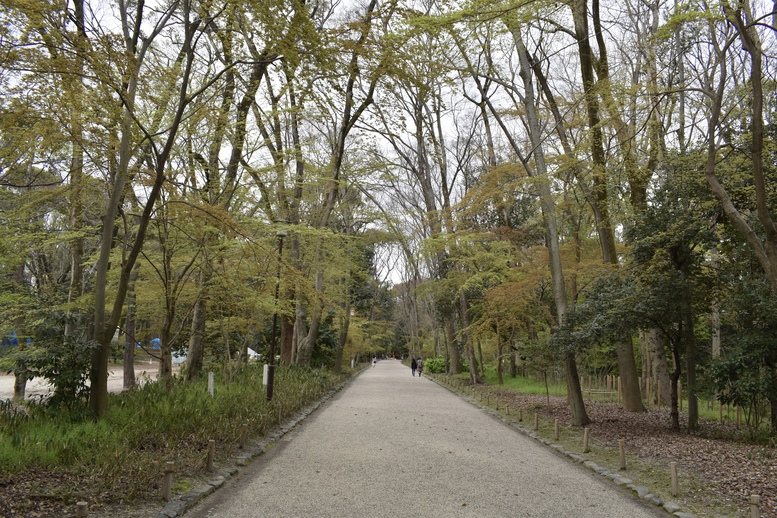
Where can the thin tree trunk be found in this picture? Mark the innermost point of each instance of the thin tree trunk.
(453, 348)
(194, 355)
(574, 392)
(130, 341)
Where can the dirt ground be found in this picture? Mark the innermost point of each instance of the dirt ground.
(39, 386)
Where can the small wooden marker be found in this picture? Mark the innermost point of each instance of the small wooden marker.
(243, 435)
(167, 480)
(586, 449)
(622, 449)
(81, 510)
(520, 415)
(755, 506)
(536, 421)
(675, 486)
(211, 454)
(555, 428)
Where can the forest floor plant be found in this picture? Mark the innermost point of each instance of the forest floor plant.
(49, 460)
(718, 467)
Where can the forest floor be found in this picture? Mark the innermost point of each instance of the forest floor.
(718, 469)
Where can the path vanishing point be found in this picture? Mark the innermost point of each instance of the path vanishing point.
(394, 445)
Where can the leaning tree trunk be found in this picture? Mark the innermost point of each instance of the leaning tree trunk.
(547, 204)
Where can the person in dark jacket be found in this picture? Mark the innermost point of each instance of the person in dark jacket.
(413, 366)
(420, 366)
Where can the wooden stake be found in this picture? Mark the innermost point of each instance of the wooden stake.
(536, 421)
(755, 506)
(622, 449)
(167, 480)
(619, 390)
(243, 435)
(81, 510)
(675, 486)
(555, 427)
(520, 415)
(211, 453)
(586, 449)
(739, 415)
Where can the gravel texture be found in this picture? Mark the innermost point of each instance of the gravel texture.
(395, 445)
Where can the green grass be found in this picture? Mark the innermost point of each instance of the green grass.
(123, 452)
(524, 385)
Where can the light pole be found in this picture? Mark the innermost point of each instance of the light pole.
(271, 368)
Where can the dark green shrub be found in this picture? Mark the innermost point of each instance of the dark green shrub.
(435, 365)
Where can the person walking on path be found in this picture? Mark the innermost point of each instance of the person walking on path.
(420, 367)
(413, 366)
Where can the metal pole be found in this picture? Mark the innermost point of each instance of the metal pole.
(271, 370)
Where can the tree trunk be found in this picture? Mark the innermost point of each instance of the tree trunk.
(632, 396)
(343, 336)
(129, 343)
(655, 344)
(454, 367)
(574, 393)
(499, 347)
(675, 412)
(474, 377)
(20, 378)
(194, 355)
(690, 366)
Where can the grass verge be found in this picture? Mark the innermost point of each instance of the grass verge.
(52, 458)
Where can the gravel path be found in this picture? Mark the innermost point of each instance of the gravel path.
(395, 445)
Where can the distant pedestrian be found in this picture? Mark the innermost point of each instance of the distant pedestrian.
(374, 362)
(413, 366)
(420, 366)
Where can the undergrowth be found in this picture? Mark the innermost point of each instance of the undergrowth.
(122, 453)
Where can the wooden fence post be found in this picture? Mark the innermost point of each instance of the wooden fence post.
(81, 510)
(167, 481)
(586, 449)
(243, 435)
(675, 485)
(211, 454)
(755, 506)
(555, 429)
(622, 450)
